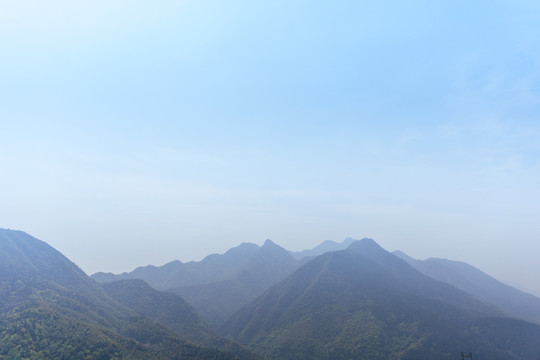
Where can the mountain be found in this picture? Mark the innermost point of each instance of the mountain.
(325, 246)
(172, 311)
(51, 309)
(177, 274)
(165, 308)
(219, 285)
(218, 300)
(365, 303)
(482, 286)
(32, 271)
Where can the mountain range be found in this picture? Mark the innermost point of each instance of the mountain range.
(365, 303)
(463, 276)
(50, 309)
(324, 247)
(349, 300)
(219, 285)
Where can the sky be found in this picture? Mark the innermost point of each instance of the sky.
(139, 132)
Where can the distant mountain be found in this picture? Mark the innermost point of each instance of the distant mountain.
(218, 300)
(219, 285)
(365, 303)
(177, 274)
(50, 309)
(482, 286)
(324, 247)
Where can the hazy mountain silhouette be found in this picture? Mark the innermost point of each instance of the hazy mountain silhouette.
(219, 285)
(482, 286)
(325, 246)
(218, 300)
(212, 268)
(365, 303)
(51, 309)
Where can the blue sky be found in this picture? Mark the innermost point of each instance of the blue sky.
(136, 132)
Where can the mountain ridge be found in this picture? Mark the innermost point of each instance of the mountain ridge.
(218, 300)
(51, 309)
(366, 303)
(323, 247)
(466, 277)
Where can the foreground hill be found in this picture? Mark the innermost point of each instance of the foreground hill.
(165, 308)
(482, 286)
(219, 285)
(365, 303)
(50, 309)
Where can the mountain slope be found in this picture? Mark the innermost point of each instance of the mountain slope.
(50, 309)
(31, 270)
(365, 303)
(165, 308)
(177, 274)
(482, 286)
(218, 300)
(172, 311)
(218, 285)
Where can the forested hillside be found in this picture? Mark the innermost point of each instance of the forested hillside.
(50, 309)
(365, 303)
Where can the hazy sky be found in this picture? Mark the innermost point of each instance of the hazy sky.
(138, 132)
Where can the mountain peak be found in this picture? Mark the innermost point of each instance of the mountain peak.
(270, 247)
(328, 243)
(21, 253)
(348, 241)
(4, 231)
(243, 247)
(365, 245)
(324, 247)
(269, 243)
(315, 307)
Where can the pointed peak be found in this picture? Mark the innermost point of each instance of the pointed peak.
(348, 241)
(270, 251)
(270, 246)
(269, 243)
(366, 245)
